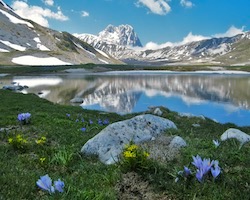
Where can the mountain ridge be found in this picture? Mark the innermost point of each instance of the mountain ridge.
(211, 51)
(25, 42)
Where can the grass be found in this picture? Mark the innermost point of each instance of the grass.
(102, 67)
(87, 178)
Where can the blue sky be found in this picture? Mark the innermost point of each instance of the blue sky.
(155, 21)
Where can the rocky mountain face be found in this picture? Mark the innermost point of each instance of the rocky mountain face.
(26, 42)
(227, 50)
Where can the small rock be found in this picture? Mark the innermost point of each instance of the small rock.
(177, 143)
(158, 112)
(237, 134)
(13, 87)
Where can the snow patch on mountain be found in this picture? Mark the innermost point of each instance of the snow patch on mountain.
(32, 60)
(15, 20)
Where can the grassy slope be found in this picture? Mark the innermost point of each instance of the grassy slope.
(87, 178)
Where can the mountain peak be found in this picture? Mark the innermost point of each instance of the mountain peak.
(123, 35)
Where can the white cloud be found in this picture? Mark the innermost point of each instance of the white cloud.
(49, 2)
(84, 14)
(160, 7)
(37, 14)
(232, 31)
(192, 38)
(186, 3)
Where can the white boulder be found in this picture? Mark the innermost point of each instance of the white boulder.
(237, 134)
(109, 143)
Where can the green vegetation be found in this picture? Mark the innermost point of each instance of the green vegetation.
(102, 67)
(51, 142)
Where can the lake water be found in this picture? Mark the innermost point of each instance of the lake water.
(224, 98)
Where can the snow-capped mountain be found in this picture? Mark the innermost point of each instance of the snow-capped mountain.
(227, 50)
(27, 43)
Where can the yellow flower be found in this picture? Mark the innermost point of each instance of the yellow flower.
(24, 141)
(132, 147)
(42, 159)
(43, 138)
(10, 140)
(146, 154)
(129, 154)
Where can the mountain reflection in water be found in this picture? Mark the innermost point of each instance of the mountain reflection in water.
(225, 98)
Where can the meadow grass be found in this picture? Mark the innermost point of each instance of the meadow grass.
(55, 136)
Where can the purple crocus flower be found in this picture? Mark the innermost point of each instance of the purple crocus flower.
(206, 165)
(197, 161)
(186, 171)
(199, 175)
(59, 185)
(105, 122)
(99, 121)
(83, 129)
(215, 171)
(45, 183)
(24, 117)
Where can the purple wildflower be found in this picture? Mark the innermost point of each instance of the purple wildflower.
(186, 171)
(199, 175)
(67, 114)
(105, 122)
(90, 121)
(99, 121)
(24, 117)
(83, 129)
(197, 161)
(206, 165)
(45, 183)
(59, 185)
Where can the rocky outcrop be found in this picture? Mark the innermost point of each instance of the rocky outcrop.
(110, 142)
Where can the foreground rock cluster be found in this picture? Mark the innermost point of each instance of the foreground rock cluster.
(148, 131)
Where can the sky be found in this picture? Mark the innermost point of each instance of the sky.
(156, 22)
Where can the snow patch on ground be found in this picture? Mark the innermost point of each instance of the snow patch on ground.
(101, 52)
(4, 50)
(104, 61)
(13, 46)
(16, 20)
(32, 60)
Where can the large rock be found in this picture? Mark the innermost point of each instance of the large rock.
(236, 134)
(109, 143)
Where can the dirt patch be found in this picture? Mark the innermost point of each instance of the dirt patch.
(133, 187)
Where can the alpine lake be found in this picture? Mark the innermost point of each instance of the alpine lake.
(221, 97)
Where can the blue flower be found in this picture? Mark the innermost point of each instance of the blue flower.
(215, 170)
(45, 183)
(216, 143)
(83, 129)
(24, 117)
(77, 120)
(99, 121)
(186, 171)
(67, 114)
(206, 165)
(59, 185)
(199, 175)
(197, 161)
(90, 121)
(105, 122)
